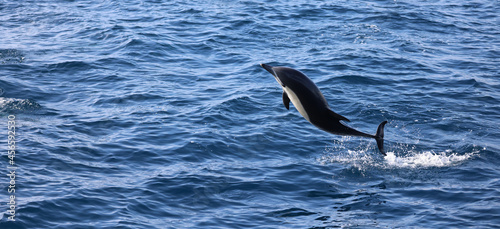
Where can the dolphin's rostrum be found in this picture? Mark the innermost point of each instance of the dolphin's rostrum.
(312, 105)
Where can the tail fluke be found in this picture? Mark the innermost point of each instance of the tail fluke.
(379, 137)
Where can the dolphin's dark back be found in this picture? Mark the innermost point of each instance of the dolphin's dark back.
(313, 101)
(303, 87)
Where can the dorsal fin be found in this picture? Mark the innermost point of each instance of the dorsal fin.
(286, 100)
(337, 116)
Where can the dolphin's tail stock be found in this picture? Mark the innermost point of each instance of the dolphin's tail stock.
(379, 137)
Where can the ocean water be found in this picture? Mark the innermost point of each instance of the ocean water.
(156, 114)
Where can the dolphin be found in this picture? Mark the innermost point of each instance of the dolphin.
(312, 105)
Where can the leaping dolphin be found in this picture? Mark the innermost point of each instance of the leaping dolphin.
(312, 105)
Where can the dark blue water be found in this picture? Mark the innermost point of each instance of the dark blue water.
(156, 114)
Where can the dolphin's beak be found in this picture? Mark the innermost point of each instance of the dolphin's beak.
(269, 68)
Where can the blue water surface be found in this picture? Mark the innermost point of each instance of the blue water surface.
(156, 114)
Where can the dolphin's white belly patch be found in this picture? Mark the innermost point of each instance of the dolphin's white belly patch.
(296, 102)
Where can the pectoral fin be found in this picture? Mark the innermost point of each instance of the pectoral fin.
(286, 101)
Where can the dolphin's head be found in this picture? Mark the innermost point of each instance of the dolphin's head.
(271, 70)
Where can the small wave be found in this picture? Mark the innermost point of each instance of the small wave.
(68, 67)
(11, 56)
(12, 105)
(426, 159)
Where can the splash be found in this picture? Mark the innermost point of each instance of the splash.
(426, 159)
(360, 158)
(365, 158)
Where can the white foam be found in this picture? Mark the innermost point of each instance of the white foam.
(6, 101)
(426, 159)
(17, 104)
